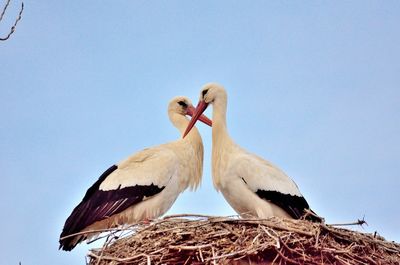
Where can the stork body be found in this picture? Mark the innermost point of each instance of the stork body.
(250, 184)
(142, 187)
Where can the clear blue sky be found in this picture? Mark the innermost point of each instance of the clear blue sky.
(313, 87)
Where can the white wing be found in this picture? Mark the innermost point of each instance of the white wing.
(260, 174)
(151, 166)
(132, 181)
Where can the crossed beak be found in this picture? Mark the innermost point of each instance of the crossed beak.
(197, 114)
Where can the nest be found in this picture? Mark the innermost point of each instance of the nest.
(197, 239)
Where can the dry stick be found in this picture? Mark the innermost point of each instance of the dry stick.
(110, 239)
(4, 9)
(303, 247)
(358, 222)
(102, 250)
(343, 236)
(228, 255)
(241, 257)
(341, 260)
(355, 259)
(213, 255)
(174, 228)
(269, 224)
(371, 260)
(96, 231)
(276, 239)
(276, 257)
(292, 250)
(286, 258)
(114, 230)
(157, 222)
(16, 21)
(255, 238)
(317, 238)
(123, 234)
(220, 234)
(91, 254)
(336, 233)
(189, 215)
(230, 230)
(201, 255)
(189, 247)
(187, 260)
(225, 243)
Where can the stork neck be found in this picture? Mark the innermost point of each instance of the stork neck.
(219, 131)
(190, 152)
(221, 142)
(181, 122)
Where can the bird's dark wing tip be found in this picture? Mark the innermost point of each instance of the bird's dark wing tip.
(294, 205)
(74, 221)
(99, 204)
(70, 243)
(65, 247)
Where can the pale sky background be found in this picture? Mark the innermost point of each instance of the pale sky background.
(313, 87)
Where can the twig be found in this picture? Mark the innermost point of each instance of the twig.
(289, 249)
(189, 247)
(4, 9)
(189, 215)
(91, 254)
(16, 21)
(96, 231)
(255, 238)
(286, 258)
(201, 255)
(102, 250)
(230, 230)
(213, 256)
(317, 238)
(358, 222)
(226, 240)
(277, 245)
(228, 255)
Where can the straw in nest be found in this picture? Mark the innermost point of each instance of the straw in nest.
(198, 239)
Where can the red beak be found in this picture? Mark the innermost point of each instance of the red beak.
(198, 115)
(203, 118)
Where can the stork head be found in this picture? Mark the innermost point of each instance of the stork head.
(209, 93)
(183, 106)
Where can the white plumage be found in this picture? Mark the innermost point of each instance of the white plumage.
(250, 184)
(142, 187)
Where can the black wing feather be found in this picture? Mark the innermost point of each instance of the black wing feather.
(98, 205)
(294, 205)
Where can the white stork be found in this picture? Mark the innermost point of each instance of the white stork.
(250, 184)
(142, 187)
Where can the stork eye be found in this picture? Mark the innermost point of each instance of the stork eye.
(183, 104)
(204, 92)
